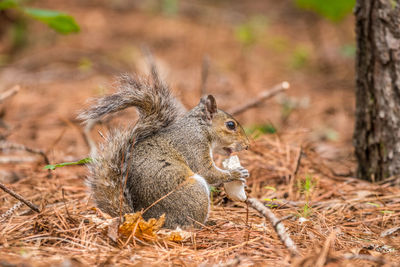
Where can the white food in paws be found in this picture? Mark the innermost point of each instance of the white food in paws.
(234, 189)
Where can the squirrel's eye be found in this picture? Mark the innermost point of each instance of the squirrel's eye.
(231, 125)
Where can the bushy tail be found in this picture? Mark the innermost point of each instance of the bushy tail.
(156, 106)
(157, 109)
(108, 174)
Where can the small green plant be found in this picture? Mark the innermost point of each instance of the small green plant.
(387, 211)
(249, 32)
(270, 188)
(330, 134)
(164, 7)
(58, 21)
(333, 10)
(257, 130)
(85, 64)
(300, 57)
(278, 43)
(373, 204)
(378, 206)
(393, 3)
(213, 190)
(170, 7)
(272, 202)
(306, 187)
(58, 165)
(306, 211)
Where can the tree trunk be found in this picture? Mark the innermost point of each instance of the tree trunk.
(377, 127)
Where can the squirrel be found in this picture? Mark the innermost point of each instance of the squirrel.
(164, 164)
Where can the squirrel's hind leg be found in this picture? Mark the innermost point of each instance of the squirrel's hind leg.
(186, 207)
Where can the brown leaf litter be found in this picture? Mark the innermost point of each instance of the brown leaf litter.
(333, 221)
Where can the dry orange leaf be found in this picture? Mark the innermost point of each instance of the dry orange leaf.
(135, 225)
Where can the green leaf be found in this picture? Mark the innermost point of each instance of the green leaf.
(170, 7)
(60, 22)
(306, 211)
(300, 57)
(261, 129)
(387, 211)
(270, 188)
(334, 10)
(249, 32)
(7, 4)
(79, 162)
(213, 189)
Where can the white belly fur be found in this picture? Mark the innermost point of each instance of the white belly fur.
(203, 182)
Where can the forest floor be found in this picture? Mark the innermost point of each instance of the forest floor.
(300, 161)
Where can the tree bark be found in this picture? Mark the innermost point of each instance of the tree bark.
(377, 127)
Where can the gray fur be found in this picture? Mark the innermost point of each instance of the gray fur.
(164, 157)
(156, 106)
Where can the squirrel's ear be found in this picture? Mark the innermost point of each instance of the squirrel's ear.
(209, 107)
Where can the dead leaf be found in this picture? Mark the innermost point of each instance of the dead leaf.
(177, 235)
(135, 225)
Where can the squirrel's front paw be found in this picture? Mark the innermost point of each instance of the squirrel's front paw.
(239, 174)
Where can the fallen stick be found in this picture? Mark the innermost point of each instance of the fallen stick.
(20, 198)
(9, 93)
(12, 146)
(276, 223)
(322, 257)
(261, 98)
(379, 260)
(16, 160)
(390, 231)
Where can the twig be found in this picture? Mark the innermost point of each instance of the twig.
(276, 223)
(390, 231)
(4, 145)
(204, 75)
(261, 98)
(247, 222)
(296, 170)
(11, 211)
(87, 137)
(379, 260)
(20, 198)
(15, 160)
(12, 146)
(321, 260)
(9, 93)
(292, 177)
